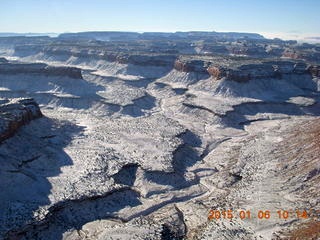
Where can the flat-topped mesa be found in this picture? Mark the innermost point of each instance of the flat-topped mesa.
(243, 70)
(40, 68)
(220, 68)
(132, 36)
(253, 71)
(276, 69)
(15, 113)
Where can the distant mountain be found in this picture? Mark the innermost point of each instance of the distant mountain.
(102, 36)
(114, 36)
(10, 34)
(120, 36)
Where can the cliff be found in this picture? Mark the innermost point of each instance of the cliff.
(39, 68)
(272, 69)
(16, 113)
(198, 66)
(248, 69)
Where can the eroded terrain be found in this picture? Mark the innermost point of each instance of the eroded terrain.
(142, 135)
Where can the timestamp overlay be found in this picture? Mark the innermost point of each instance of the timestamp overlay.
(263, 214)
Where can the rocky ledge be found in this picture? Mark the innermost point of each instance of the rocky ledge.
(15, 113)
(270, 69)
(230, 69)
(39, 68)
(199, 66)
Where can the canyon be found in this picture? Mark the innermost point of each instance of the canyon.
(123, 135)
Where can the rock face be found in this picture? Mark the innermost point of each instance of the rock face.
(238, 71)
(246, 72)
(197, 66)
(40, 68)
(15, 113)
(216, 72)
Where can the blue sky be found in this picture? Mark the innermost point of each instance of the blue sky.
(292, 17)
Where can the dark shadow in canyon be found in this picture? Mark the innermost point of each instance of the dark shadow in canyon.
(28, 159)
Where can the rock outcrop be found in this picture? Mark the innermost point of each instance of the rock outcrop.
(39, 68)
(230, 69)
(15, 113)
(245, 73)
(198, 66)
(314, 71)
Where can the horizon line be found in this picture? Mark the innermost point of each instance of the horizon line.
(300, 37)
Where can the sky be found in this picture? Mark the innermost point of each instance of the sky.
(273, 18)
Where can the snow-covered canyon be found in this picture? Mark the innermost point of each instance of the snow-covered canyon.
(143, 146)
